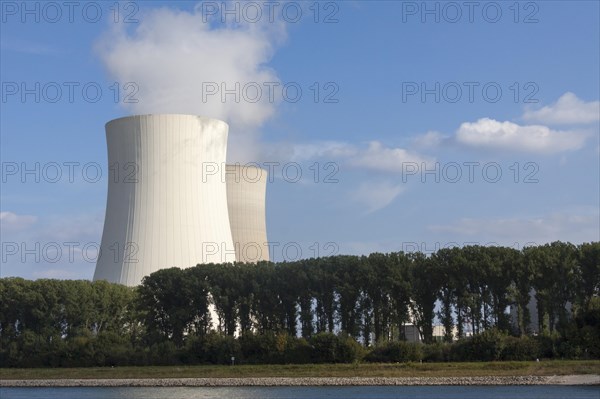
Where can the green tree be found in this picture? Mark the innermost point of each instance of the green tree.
(425, 283)
(165, 297)
(502, 265)
(225, 288)
(588, 279)
(444, 262)
(348, 283)
(554, 280)
(400, 291)
(521, 291)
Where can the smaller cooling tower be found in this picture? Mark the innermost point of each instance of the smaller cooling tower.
(246, 191)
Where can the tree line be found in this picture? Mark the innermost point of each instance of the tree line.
(338, 308)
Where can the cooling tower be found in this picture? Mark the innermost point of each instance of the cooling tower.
(165, 207)
(246, 189)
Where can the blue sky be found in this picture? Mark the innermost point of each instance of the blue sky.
(511, 88)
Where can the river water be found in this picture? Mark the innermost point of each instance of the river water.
(364, 392)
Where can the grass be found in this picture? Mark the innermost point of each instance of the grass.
(549, 367)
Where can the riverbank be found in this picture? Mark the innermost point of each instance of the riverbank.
(555, 372)
(544, 368)
(311, 381)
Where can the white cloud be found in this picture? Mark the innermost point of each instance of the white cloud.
(429, 139)
(334, 150)
(492, 134)
(27, 47)
(77, 227)
(376, 195)
(55, 246)
(12, 222)
(374, 157)
(576, 226)
(380, 158)
(176, 57)
(569, 109)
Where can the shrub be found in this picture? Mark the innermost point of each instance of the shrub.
(324, 347)
(589, 337)
(193, 351)
(568, 350)
(298, 351)
(163, 354)
(112, 349)
(546, 346)
(348, 350)
(259, 348)
(520, 348)
(331, 348)
(484, 347)
(218, 349)
(436, 352)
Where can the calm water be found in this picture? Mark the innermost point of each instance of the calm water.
(440, 392)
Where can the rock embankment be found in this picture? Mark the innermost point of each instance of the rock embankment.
(307, 381)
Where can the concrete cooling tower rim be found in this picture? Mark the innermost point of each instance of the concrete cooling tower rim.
(139, 116)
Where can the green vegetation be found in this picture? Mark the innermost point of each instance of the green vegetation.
(314, 311)
(551, 367)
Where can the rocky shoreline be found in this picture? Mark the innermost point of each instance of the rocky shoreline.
(308, 381)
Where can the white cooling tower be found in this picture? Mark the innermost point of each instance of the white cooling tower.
(246, 190)
(165, 207)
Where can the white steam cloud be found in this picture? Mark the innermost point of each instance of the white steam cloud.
(181, 63)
